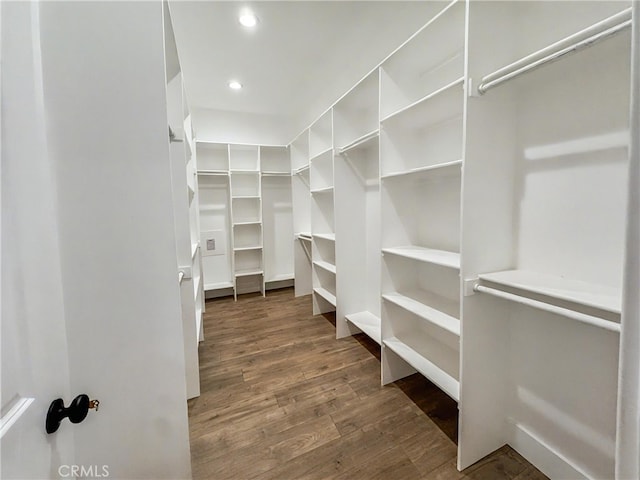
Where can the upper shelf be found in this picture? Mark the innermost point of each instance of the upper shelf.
(429, 171)
(429, 255)
(582, 293)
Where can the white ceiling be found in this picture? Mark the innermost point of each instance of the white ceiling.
(300, 58)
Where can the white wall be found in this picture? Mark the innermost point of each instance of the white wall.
(105, 99)
(239, 127)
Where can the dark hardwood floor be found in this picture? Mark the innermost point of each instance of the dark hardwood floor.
(282, 399)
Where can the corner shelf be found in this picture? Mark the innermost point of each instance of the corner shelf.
(368, 323)
(429, 255)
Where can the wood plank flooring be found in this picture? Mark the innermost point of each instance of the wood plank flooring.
(282, 399)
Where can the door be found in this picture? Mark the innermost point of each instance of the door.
(90, 292)
(34, 350)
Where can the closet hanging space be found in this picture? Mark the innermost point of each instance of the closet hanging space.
(543, 232)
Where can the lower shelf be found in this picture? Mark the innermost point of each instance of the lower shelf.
(442, 379)
(432, 308)
(326, 294)
(217, 286)
(368, 323)
(281, 277)
(248, 272)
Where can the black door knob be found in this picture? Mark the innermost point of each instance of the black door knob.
(76, 412)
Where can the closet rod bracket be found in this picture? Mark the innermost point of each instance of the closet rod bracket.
(469, 286)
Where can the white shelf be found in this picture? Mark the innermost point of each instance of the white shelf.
(253, 222)
(321, 154)
(331, 237)
(441, 169)
(322, 190)
(245, 172)
(217, 286)
(249, 272)
(361, 141)
(281, 277)
(436, 115)
(429, 255)
(220, 173)
(304, 236)
(442, 379)
(368, 323)
(435, 309)
(301, 170)
(325, 266)
(243, 249)
(578, 292)
(326, 294)
(276, 174)
(245, 196)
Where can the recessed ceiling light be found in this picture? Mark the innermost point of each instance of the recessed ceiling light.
(235, 85)
(248, 19)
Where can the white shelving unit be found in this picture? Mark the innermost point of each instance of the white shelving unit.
(185, 198)
(301, 196)
(421, 152)
(321, 187)
(277, 216)
(545, 190)
(215, 216)
(246, 217)
(357, 194)
(469, 200)
(246, 208)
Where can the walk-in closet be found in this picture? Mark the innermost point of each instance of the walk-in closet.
(321, 240)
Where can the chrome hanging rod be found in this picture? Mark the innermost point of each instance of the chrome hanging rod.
(574, 43)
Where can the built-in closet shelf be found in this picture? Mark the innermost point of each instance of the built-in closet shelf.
(321, 154)
(244, 249)
(322, 190)
(433, 308)
(281, 278)
(220, 173)
(442, 379)
(429, 171)
(331, 237)
(368, 323)
(304, 236)
(437, 114)
(326, 294)
(429, 255)
(276, 174)
(325, 266)
(577, 292)
(254, 222)
(244, 172)
(245, 196)
(301, 170)
(248, 272)
(217, 286)
(360, 142)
